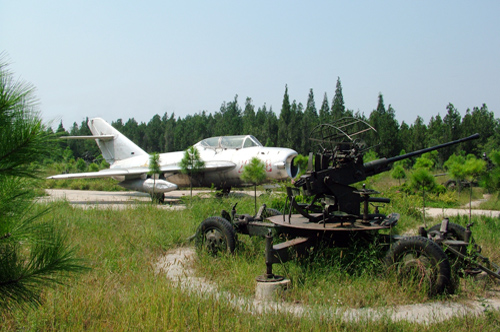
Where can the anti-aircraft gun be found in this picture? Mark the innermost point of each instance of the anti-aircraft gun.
(339, 164)
(334, 214)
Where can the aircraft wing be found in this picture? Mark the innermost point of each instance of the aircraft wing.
(106, 173)
(210, 166)
(101, 137)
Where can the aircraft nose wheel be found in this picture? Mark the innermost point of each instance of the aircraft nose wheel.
(216, 235)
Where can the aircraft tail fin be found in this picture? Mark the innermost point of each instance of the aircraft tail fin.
(113, 144)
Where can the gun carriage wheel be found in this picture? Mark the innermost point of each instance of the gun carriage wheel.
(420, 260)
(216, 235)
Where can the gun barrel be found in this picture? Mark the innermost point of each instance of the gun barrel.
(381, 165)
(432, 148)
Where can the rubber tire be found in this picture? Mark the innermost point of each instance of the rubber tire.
(216, 235)
(427, 252)
(457, 232)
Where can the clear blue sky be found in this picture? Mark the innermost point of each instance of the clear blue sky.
(124, 59)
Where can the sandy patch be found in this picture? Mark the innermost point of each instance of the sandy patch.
(176, 266)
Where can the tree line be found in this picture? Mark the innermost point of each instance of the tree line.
(291, 128)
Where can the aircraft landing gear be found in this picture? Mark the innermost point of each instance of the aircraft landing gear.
(159, 198)
(223, 191)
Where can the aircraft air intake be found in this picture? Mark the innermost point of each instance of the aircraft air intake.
(291, 168)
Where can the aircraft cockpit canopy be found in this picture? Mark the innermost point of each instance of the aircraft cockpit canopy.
(230, 142)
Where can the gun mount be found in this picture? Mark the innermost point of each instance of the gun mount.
(339, 164)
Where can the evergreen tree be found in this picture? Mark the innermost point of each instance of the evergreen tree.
(483, 122)
(191, 164)
(309, 121)
(391, 142)
(284, 137)
(154, 172)
(418, 138)
(338, 108)
(154, 131)
(178, 135)
(61, 144)
(249, 120)
(141, 135)
(295, 130)
(404, 135)
(271, 128)
(421, 179)
(33, 254)
(118, 125)
(131, 130)
(255, 173)
(384, 121)
(266, 126)
(60, 130)
(375, 121)
(202, 125)
(324, 111)
(228, 119)
(435, 136)
(260, 131)
(169, 124)
(380, 104)
(398, 173)
(452, 130)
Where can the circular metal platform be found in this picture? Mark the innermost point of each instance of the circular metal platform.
(297, 221)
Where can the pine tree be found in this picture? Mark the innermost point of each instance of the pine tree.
(295, 130)
(384, 121)
(255, 173)
(451, 129)
(33, 254)
(284, 121)
(153, 133)
(191, 164)
(169, 124)
(324, 111)
(154, 171)
(418, 138)
(338, 108)
(309, 121)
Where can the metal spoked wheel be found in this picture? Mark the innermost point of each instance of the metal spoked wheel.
(216, 235)
(421, 262)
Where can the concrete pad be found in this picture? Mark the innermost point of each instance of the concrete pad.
(110, 199)
(442, 213)
(122, 199)
(268, 291)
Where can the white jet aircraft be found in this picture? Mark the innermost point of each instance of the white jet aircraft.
(224, 159)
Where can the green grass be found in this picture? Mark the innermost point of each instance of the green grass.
(122, 292)
(104, 184)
